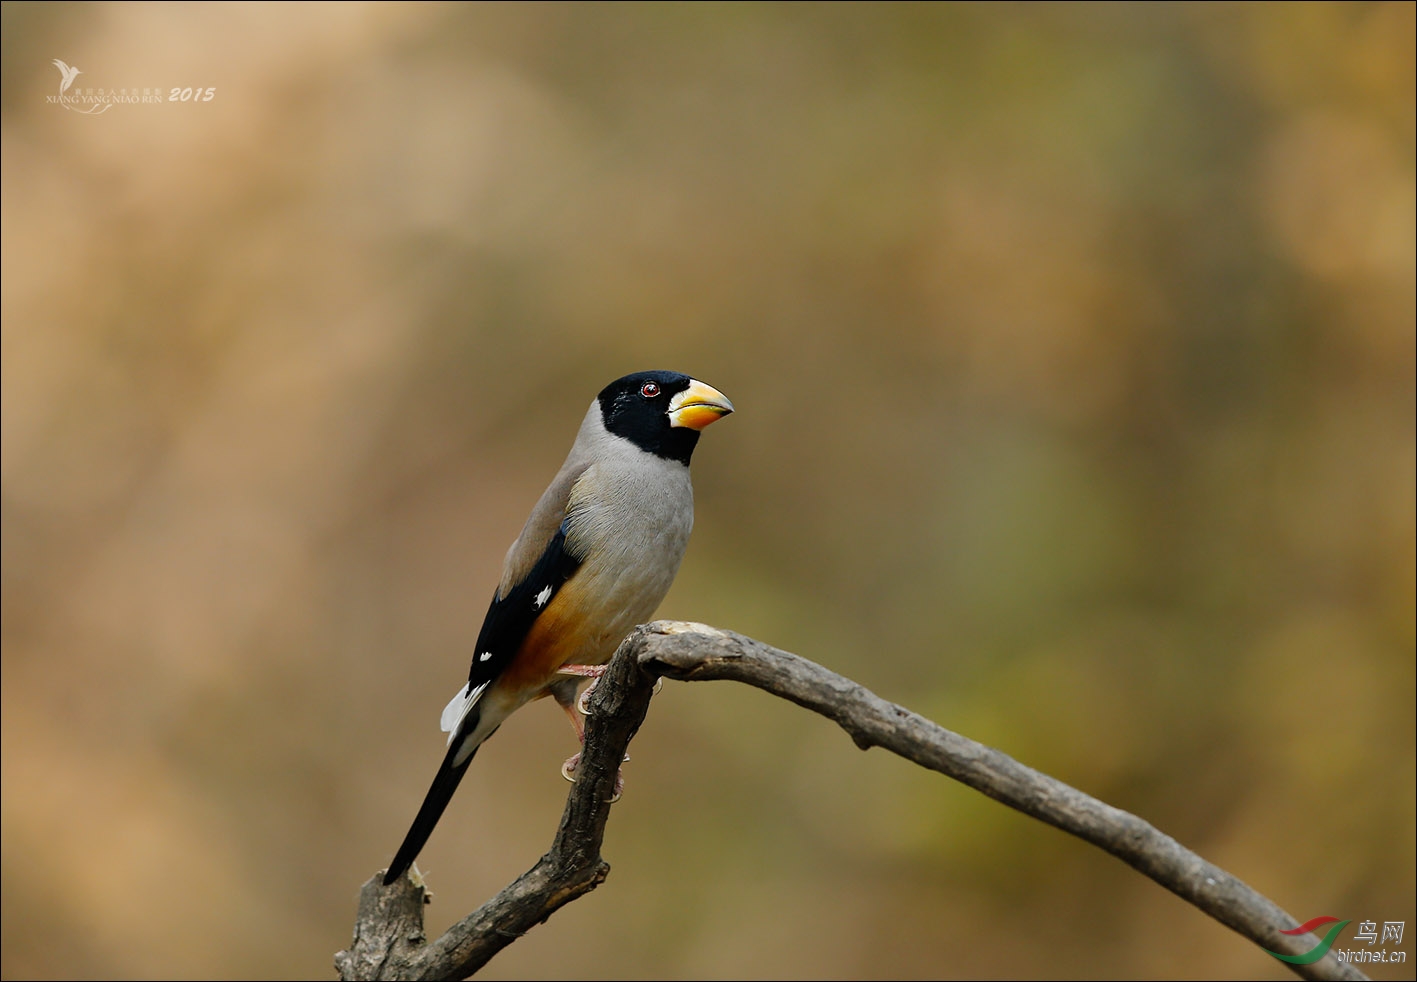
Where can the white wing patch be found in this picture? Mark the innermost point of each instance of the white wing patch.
(485, 656)
(542, 597)
(456, 711)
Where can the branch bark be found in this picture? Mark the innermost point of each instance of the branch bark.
(388, 937)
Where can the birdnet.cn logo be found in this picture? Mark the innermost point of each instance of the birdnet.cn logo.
(97, 100)
(1367, 934)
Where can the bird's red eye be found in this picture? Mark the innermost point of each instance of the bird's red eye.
(649, 390)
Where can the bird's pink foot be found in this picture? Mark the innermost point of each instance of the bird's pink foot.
(568, 771)
(575, 719)
(584, 671)
(592, 672)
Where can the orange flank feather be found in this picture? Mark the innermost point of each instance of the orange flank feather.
(556, 638)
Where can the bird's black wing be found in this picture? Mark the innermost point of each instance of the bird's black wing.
(504, 629)
(509, 618)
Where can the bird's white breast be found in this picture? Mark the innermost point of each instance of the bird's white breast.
(629, 517)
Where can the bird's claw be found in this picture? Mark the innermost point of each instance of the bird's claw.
(583, 702)
(568, 771)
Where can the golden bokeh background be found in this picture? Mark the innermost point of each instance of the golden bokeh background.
(1074, 353)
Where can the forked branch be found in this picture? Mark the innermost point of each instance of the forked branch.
(388, 936)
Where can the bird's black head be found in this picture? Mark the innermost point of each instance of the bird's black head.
(661, 412)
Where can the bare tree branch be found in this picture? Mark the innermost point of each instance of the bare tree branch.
(389, 941)
(388, 936)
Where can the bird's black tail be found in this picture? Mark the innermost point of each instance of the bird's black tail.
(436, 800)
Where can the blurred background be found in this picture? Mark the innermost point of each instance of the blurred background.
(1073, 347)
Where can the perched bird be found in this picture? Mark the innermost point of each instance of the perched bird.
(595, 558)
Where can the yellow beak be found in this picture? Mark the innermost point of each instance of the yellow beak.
(698, 406)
